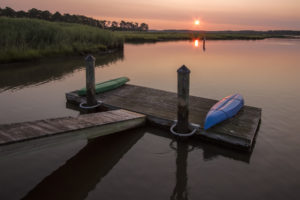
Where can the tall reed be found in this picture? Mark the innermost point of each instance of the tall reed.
(22, 38)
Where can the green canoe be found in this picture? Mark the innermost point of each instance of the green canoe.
(106, 86)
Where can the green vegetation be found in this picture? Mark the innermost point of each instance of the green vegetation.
(156, 36)
(23, 39)
(136, 37)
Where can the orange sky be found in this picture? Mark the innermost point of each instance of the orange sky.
(180, 14)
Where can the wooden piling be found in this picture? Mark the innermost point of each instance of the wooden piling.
(204, 39)
(90, 80)
(183, 74)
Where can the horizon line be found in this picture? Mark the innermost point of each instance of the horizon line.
(224, 30)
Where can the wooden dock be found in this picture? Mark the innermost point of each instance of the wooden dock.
(97, 124)
(160, 107)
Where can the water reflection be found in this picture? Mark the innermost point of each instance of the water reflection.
(19, 75)
(83, 172)
(180, 191)
(210, 151)
(80, 174)
(197, 41)
(183, 147)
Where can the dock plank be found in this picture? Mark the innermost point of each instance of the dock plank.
(160, 107)
(117, 119)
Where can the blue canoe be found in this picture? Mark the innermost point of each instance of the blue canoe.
(224, 109)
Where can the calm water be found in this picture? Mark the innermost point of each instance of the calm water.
(144, 163)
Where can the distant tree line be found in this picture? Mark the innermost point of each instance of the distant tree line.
(271, 32)
(80, 19)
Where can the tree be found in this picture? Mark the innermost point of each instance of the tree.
(101, 24)
(56, 17)
(114, 25)
(34, 13)
(21, 14)
(67, 18)
(8, 12)
(46, 15)
(123, 25)
(135, 26)
(144, 27)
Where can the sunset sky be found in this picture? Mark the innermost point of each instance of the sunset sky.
(180, 14)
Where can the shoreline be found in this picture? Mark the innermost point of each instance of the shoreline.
(30, 39)
(140, 37)
(61, 54)
(121, 47)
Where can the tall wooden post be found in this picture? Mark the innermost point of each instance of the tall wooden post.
(183, 74)
(90, 80)
(204, 39)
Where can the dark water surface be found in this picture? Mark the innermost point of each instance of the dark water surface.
(147, 163)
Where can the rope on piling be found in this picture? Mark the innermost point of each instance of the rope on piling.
(81, 105)
(194, 126)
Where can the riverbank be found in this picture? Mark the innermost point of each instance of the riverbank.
(157, 36)
(26, 39)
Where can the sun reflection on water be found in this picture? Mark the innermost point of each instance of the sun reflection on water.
(196, 43)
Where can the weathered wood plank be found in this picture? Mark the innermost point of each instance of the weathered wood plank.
(161, 108)
(69, 137)
(117, 119)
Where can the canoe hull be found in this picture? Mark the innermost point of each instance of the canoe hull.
(106, 86)
(224, 109)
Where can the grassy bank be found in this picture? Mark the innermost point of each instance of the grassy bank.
(137, 37)
(23, 38)
(154, 36)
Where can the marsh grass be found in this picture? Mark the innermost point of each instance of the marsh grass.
(23, 38)
(154, 36)
(137, 37)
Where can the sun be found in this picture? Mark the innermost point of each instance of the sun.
(197, 22)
